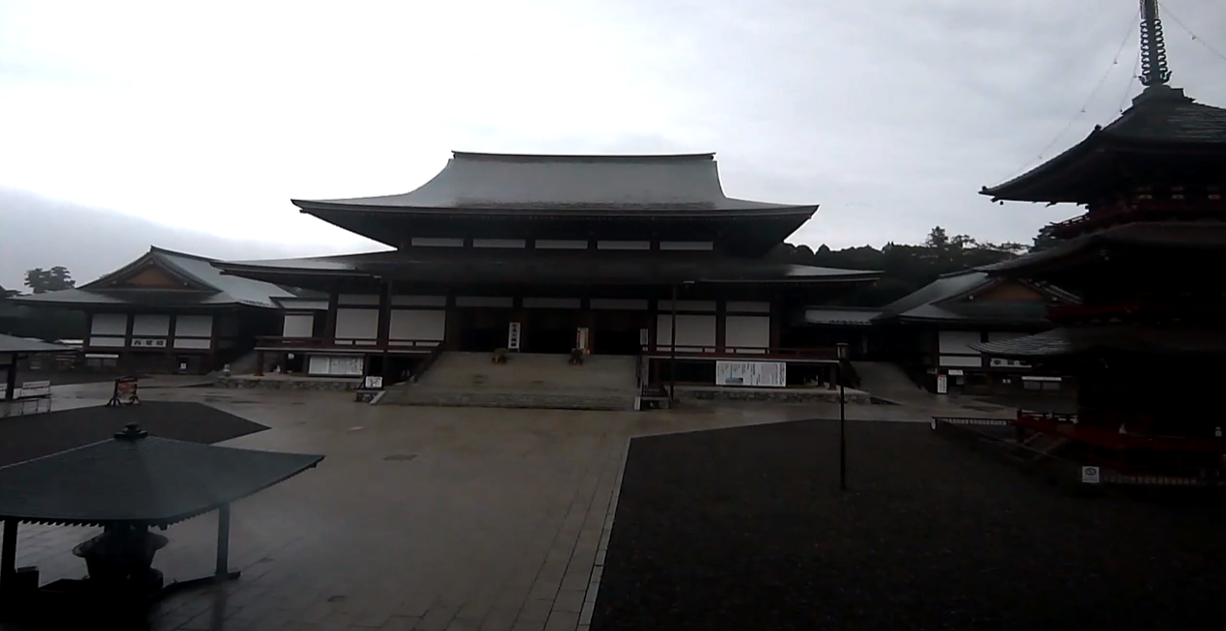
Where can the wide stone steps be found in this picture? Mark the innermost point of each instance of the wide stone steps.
(439, 397)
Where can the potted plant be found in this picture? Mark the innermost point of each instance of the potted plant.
(576, 357)
(500, 356)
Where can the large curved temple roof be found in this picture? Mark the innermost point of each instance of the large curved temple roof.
(482, 183)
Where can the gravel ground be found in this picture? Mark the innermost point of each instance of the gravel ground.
(745, 529)
(35, 435)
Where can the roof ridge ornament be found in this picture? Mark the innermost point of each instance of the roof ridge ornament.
(1154, 68)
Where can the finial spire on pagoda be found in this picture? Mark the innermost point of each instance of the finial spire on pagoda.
(1154, 69)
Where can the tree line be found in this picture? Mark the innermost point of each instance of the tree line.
(905, 268)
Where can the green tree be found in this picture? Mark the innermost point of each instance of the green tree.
(41, 281)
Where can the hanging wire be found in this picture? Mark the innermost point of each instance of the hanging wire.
(1097, 86)
(1174, 18)
(1136, 74)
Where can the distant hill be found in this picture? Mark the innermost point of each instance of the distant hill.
(39, 232)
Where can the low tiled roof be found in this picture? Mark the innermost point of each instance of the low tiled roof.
(223, 290)
(1119, 338)
(23, 345)
(147, 480)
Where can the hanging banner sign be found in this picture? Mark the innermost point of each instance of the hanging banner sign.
(513, 337)
(751, 374)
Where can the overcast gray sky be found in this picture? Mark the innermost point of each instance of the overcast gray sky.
(889, 113)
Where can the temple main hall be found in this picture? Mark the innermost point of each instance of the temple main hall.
(628, 255)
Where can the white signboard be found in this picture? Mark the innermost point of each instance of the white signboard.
(1091, 475)
(751, 374)
(513, 337)
(373, 382)
(942, 384)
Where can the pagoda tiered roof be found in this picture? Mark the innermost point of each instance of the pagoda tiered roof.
(1163, 124)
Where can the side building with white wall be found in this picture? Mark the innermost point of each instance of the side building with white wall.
(170, 312)
(930, 332)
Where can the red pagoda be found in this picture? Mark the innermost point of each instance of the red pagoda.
(1147, 341)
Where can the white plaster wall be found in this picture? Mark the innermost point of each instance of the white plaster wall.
(552, 303)
(154, 324)
(109, 324)
(664, 306)
(747, 332)
(624, 304)
(107, 342)
(431, 242)
(623, 245)
(484, 301)
(499, 243)
(417, 324)
(561, 244)
(194, 326)
(358, 324)
(736, 306)
(957, 341)
(298, 325)
(686, 245)
(192, 343)
(357, 299)
(419, 301)
(694, 331)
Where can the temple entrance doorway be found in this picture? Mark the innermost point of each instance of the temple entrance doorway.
(618, 332)
(483, 330)
(549, 331)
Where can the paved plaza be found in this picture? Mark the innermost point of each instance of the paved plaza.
(419, 518)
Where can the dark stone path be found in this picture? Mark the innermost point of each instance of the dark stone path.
(35, 435)
(745, 529)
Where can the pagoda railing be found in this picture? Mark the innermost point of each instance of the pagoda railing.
(1102, 216)
(1129, 308)
(1066, 426)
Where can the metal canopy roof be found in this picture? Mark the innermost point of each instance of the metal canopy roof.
(139, 479)
(573, 185)
(1132, 339)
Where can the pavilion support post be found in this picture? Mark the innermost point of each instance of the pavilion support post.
(259, 363)
(223, 542)
(672, 350)
(8, 557)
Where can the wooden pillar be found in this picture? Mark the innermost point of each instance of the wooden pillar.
(259, 365)
(170, 342)
(721, 325)
(672, 350)
(383, 332)
(330, 318)
(10, 379)
(8, 556)
(776, 306)
(223, 541)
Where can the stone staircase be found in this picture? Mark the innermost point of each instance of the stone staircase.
(526, 381)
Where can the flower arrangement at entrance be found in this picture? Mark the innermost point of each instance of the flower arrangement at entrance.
(500, 356)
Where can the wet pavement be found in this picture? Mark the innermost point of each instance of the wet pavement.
(419, 518)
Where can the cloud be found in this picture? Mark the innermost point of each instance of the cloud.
(890, 114)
